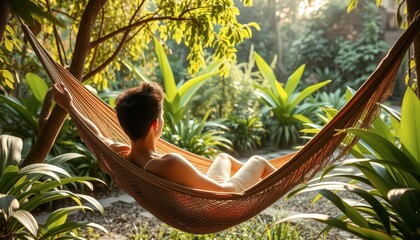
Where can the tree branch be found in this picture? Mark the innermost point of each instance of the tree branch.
(49, 130)
(136, 24)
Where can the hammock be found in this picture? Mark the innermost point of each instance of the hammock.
(198, 211)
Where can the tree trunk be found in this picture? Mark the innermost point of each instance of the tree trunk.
(4, 15)
(49, 131)
(413, 6)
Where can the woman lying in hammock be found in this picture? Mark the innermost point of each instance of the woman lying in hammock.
(140, 113)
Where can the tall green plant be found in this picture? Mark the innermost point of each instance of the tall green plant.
(26, 189)
(389, 184)
(178, 97)
(283, 103)
(20, 114)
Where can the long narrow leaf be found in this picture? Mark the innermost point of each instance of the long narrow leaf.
(384, 148)
(268, 74)
(294, 79)
(306, 92)
(22, 112)
(167, 74)
(410, 125)
(136, 71)
(55, 218)
(27, 220)
(364, 233)
(8, 204)
(188, 89)
(37, 85)
(70, 226)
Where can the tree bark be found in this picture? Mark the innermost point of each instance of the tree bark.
(4, 15)
(413, 6)
(49, 131)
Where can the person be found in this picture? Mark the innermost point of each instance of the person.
(140, 114)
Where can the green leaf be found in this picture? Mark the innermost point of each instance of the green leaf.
(7, 74)
(352, 5)
(384, 148)
(27, 220)
(138, 73)
(410, 125)
(8, 178)
(26, 9)
(364, 233)
(59, 217)
(188, 89)
(64, 158)
(8, 44)
(306, 92)
(22, 112)
(268, 74)
(10, 151)
(269, 98)
(404, 200)
(167, 74)
(294, 79)
(8, 204)
(70, 226)
(45, 169)
(37, 85)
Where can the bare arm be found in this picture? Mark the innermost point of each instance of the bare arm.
(63, 98)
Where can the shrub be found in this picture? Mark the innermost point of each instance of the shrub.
(388, 185)
(200, 137)
(24, 190)
(283, 104)
(245, 131)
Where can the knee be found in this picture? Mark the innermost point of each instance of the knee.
(258, 158)
(223, 155)
(259, 161)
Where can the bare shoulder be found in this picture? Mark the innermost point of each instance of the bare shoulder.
(172, 156)
(173, 159)
(119, 147)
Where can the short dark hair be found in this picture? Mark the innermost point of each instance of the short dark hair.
(137, 108)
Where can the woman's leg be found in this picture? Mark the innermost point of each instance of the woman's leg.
(223, 167)
(255, 169)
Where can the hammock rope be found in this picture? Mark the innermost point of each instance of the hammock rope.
(198, 211)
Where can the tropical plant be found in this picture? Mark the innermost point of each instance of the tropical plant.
(199, 137)
(245, 131)
(24, 190)
(357, 59)
(20, 115)
(231, 95)
(178, 97)
(334, 99)
(388, 184)
(283, 103)
(348, 52)
(20, 118)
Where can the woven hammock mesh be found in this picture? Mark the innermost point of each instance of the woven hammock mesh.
(198, 211)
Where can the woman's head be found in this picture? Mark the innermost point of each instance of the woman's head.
(138, 107)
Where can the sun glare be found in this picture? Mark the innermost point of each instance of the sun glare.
(308, 7)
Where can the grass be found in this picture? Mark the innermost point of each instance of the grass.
(259, 227)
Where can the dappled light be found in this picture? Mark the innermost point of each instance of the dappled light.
(322, 89)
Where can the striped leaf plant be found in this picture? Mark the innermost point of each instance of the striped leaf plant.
(387, 183)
